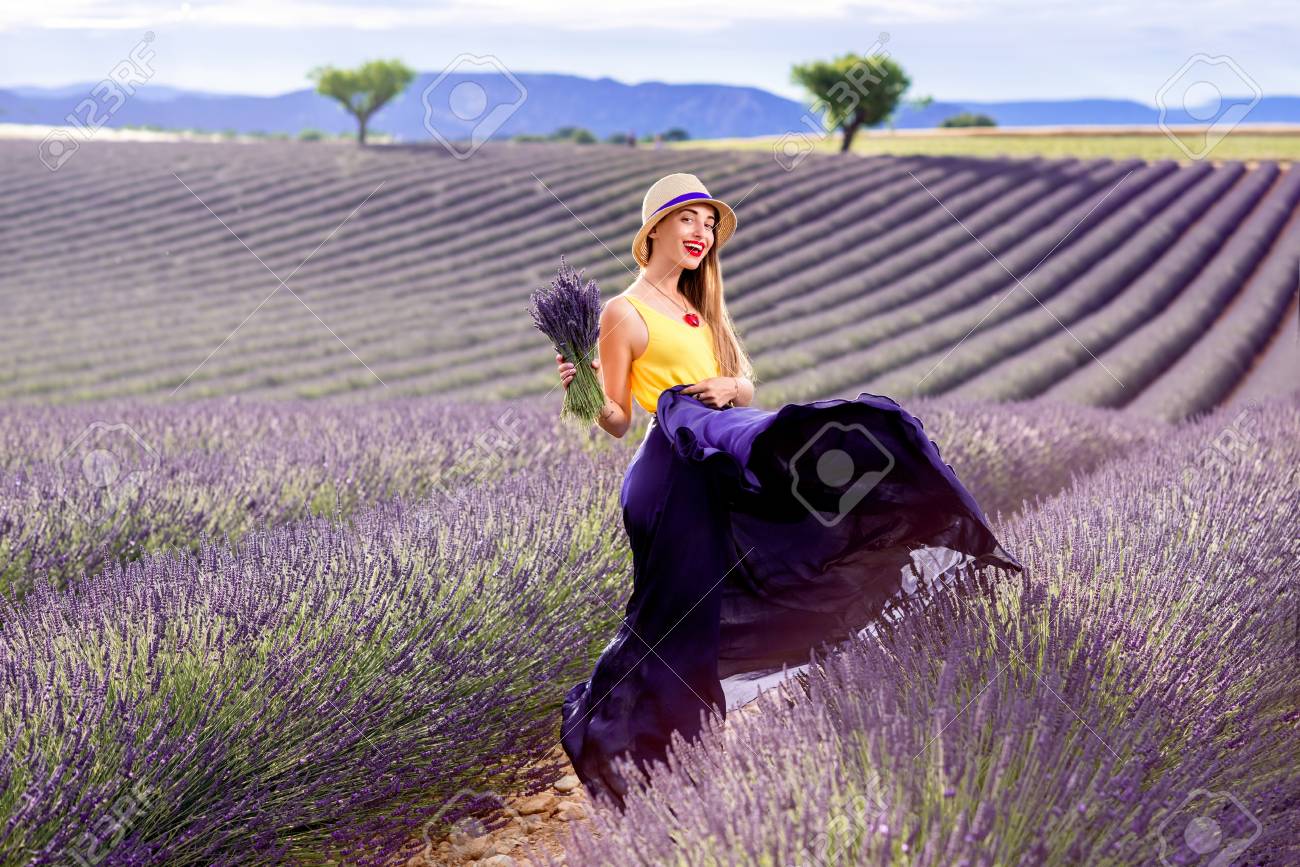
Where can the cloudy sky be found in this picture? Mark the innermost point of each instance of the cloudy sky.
(953, 50)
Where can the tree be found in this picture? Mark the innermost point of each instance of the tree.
(855, 91)
(576, 134)
(967, 118)
(365, 90)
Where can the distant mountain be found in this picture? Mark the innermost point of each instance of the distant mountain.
(547, 101)
(150, 92)
(1089, 112)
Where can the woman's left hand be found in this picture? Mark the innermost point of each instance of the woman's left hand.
(716, 391)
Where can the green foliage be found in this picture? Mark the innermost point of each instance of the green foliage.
(364, 90)
(577, 134)
(676, 134)
(967, 118)
(853, 91)
(311, 135)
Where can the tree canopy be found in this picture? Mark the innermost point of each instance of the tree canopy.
(853, 90)
(364, 90)
(967, 118)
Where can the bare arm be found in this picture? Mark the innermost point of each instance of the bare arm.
(744, 391)
(615, 344)
(721, 391)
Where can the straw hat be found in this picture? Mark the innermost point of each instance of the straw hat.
(664, 196)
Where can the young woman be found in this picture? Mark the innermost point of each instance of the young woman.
(756, 535)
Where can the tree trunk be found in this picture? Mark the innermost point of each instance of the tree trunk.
(850, 129)
(362, 122)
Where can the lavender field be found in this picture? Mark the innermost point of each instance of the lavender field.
(155, 270)
(1132, 701)
(287, 569)
(375, 608)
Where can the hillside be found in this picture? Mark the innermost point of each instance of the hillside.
(538, 103)
(152, 269)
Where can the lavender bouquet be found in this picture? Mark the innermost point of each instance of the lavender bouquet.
(569, 314)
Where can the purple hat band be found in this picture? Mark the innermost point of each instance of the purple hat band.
(684, 197)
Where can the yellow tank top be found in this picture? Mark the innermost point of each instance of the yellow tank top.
(675, 353)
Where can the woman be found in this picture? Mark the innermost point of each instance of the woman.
(756, 535)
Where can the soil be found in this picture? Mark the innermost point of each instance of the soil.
(538, 823)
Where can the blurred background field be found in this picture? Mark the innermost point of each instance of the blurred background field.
(1281, 143)
(153, 270)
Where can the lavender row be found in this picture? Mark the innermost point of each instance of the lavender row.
(1113, 252)
(1019, 246)
(83, 487)
(1129, 701)
(939, 248)
(225, 669)
(314, 691)
(872, 255)
(1137, 334)
(886, 219)
(1158, 260)
(396, 231)
(1208, 372)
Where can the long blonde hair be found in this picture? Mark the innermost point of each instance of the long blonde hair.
(703, 288)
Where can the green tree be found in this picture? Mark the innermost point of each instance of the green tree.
(364, 90)
(577, 134)
(967, 118)
(853, 91)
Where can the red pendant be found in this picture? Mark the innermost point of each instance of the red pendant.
(692, 320)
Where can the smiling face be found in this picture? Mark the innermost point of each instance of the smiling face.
(685, 235)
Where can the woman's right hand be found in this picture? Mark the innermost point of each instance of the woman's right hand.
(568, 370)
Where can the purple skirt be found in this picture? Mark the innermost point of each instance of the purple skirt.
(758, 535)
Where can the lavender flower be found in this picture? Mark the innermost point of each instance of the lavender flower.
(569, 314)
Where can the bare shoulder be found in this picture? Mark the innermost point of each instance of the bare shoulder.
(618, 313)
(621, 320)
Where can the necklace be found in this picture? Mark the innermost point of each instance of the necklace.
(691, 319)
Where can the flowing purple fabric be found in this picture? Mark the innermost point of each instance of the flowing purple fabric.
(758, 535)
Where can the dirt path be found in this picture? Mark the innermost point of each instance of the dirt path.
(541, 822)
